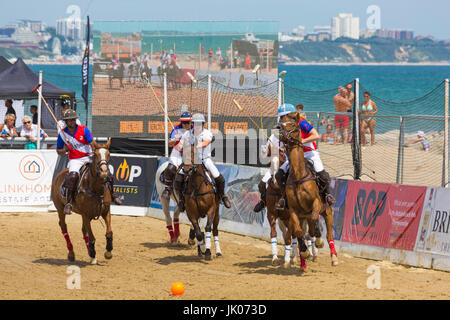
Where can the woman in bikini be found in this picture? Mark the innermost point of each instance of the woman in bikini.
(368, 110)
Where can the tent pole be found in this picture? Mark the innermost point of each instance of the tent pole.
(39, 112)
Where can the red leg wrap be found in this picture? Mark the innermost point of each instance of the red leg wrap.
(66, 236)
(302, 263)
(172, 236)
(176, 226)
(332, 248)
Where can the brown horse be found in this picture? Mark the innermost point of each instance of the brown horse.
(92, 201)
(201, 201)
(302, 192)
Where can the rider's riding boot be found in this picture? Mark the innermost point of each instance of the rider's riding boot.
(169, 175)
(71, 184)
(324, 179)
(114, 196)
(220, 184)
(262, 203)
(281, 178)
(179, 185)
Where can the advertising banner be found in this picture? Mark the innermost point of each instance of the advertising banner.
(134, 178)
(133, 175)
(383, 215)
(26, 177)
(433, 236)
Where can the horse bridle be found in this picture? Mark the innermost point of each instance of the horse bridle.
(287, 133)
(100, 163)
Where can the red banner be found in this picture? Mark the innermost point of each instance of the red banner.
(383, 215)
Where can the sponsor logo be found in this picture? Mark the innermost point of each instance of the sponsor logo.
(31, 167)
(127, 173)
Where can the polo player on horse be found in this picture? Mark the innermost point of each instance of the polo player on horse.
(309, 137)
(78, 141)
(176, 156)
(200, 138)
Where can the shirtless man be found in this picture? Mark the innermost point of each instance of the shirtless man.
(341, 122)
(350, 94)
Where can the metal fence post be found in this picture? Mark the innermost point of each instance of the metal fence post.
(356, 140)
(445, 174)
(279, 91)
(39, 111)
(209, 101)
(166, 126)
(399, 178)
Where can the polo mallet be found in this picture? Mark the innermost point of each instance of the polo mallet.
(160, 104)
(255, 71)
(69, 145)
(282, 73)
(238, 106)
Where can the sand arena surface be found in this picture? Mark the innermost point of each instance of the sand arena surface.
(33, 264)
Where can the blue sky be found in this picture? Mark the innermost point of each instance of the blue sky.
(423, 17)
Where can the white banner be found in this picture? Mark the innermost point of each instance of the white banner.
(433, 235)
(26, 177)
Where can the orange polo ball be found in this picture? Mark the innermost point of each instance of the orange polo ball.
(177, 289)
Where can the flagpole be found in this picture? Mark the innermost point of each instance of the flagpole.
(85, 72)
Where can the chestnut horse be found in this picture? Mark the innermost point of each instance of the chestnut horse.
(273, 195)
(201, 201)
(302, 192)
(92, 201)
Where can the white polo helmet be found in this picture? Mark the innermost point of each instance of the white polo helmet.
(198, 117)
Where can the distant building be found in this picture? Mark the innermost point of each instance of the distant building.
(367, 33)
(71, 28)
(300, 31)
(33, 25)
(345, 25)
(322, 29)
(404, 35)
(25, 35)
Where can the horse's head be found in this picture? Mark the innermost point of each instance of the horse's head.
(101, 159)
(290, 129)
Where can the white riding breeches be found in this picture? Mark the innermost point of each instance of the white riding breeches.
(310, 155)
(75, 165)
(209, 164)
(267, 176)
(176, 158)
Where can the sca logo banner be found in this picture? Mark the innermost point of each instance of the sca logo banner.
(31, 167)
(126, 172)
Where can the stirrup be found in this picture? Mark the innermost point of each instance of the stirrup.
(68, 208)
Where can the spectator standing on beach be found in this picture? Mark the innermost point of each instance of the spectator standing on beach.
(9, 129)
(328, 136)
(218, 55)
(341, 122)
(29, 131)
(33, 111)
(350, 95)
(247, 61)
(368, 110)
(425, 144)
(10, 109)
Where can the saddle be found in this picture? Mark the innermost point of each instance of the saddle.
(83, 170)
(208, 177)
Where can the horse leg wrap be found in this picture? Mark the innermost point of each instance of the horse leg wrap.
(309, 245)
(86, 241)
(302, 263)
(92, 249)
(332, 248)
(208, 239)
(274, 247)
(176, 226)
(109, 243)
(314, 248)
(294, 247)
(66, 236)
(217, 245)
(172, 235)
(302, 246)
(287, 253)
(192, 234)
